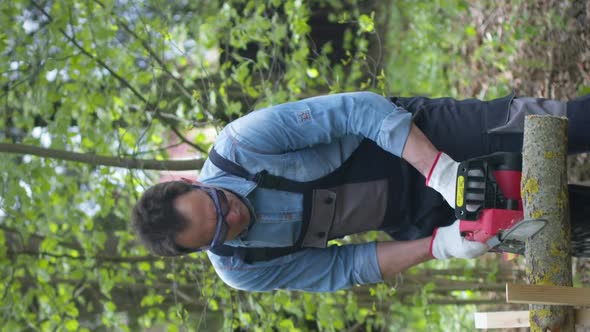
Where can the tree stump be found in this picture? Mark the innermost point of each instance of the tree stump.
(544, 191)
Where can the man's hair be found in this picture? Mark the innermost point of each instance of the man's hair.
(155, 219)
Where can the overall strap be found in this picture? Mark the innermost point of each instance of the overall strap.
(263, 179)
(230, 166)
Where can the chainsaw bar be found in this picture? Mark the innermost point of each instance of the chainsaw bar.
(513, 240)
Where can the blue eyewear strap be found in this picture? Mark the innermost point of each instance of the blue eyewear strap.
(222, 226)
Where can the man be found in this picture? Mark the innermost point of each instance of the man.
(282, 181)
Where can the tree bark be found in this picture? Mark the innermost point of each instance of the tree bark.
(545, 196)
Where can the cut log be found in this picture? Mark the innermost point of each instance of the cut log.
(545, 195)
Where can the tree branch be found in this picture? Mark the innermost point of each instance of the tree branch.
(99, 258)
(37, 237)
(96, 160)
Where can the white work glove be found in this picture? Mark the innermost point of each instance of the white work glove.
(443, 177)
(447, 242)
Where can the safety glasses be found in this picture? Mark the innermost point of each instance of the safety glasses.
(222, 209)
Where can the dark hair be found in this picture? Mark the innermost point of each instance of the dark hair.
(155, 219)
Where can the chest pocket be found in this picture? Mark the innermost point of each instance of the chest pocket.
(345, 209)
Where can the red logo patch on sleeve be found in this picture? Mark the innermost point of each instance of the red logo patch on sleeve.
(303, 116)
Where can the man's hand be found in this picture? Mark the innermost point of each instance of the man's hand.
(443, 177)
(447, 242)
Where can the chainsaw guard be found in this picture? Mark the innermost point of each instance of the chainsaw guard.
(513, 240)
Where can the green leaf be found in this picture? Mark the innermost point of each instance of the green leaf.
(2, 238)
(286, 325)
(583, 90)
(366, 23)
(72, 325)
(312, 72)
(429, 287)
(110, 306)
(145, 266)
(213, 305)
(281, 299)
(245, 318)
(470, 31)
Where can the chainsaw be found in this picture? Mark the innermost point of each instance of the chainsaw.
(489, 204)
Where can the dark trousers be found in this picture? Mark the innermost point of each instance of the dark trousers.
(463, 128)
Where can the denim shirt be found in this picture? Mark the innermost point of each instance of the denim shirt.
(301, 141)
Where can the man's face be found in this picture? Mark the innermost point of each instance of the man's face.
(199, 210)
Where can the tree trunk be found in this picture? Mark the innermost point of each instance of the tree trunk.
(545, 196)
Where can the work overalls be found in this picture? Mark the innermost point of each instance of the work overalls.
(375, 190)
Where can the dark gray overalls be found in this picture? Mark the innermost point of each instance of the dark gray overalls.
(375, 190)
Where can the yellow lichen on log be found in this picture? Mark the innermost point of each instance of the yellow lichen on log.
(537, 214)
(531, 186)
(551, 154)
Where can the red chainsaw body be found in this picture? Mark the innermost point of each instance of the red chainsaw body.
(509, 183)
(489, 224)
(502, 207)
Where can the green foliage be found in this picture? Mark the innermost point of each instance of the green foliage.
(430, 53)
(116, 77)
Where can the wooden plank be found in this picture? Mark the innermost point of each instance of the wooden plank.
(501, 319)
(506, 319)
(545, 294)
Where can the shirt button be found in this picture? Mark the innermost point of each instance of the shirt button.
(321, 234)
(329, 200)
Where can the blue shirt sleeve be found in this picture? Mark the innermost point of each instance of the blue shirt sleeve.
(322, 120)
(315, 270)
